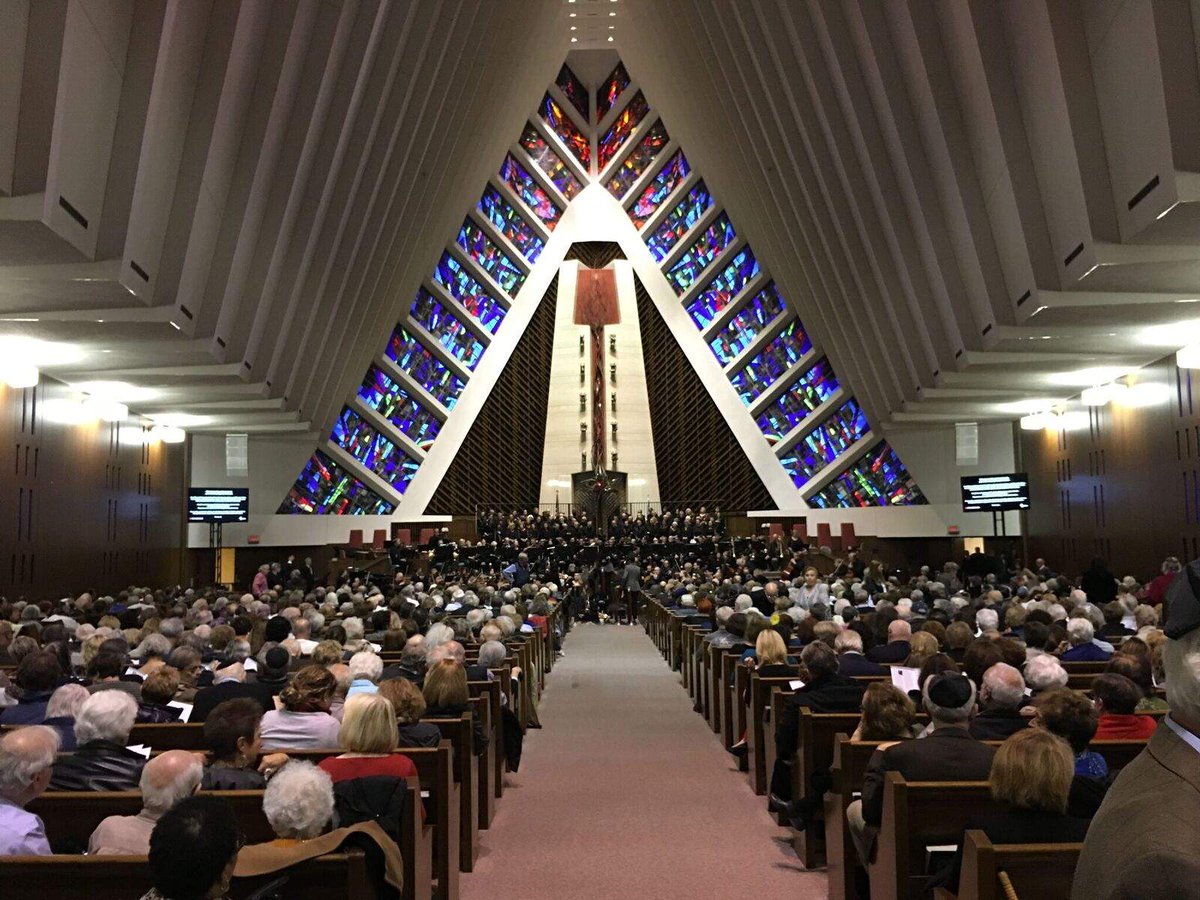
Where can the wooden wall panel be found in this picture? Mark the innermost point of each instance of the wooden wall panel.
(89, 506)
(1126, 488)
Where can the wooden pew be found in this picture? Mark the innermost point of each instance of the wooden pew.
(760, 735)
(495, 694)
(1035, 871)
(337, 876)
(460, 733)
(71, 816)
(917, 814)
(169, 736)
(482, 698)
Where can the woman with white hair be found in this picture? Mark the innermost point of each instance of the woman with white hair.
(61, 710)
(100, 761)
(1044, 673)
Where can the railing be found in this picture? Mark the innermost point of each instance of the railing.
(566, 507)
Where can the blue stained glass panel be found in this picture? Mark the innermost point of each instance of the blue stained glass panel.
(750, 321)
(411, 356)
(384, 395)
(698, 257)
(810, 389)
(452, 334)
(679, 221)
(826, 442)
(325, 488)
(511, 224)
(360, 439)
(878, 478)
(657, 191)
(490, 257)
(470, 293)
(524, 186)
(781, 353)
(724, 288)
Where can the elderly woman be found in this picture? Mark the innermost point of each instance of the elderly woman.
(1030, 783)
(304, 722)
(888, 714)
(1044, 673)
(158, 690)
(366, 667)
(61, 711)
(152, 652)
(100, 761)
(231, 734)
(409, 705)
(298, 804)
(370, 736)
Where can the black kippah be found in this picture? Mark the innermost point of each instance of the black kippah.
(949, 690)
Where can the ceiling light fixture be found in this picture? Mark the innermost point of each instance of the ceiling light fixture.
(121, 391)
(1188, 357)
(168, 434)
(610, 37)
(1146, 393)
(18, 374)
(108, 410)
(176, 327)
(67, 412)
(1102, 394)
(1036, 421)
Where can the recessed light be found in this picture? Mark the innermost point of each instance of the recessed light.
(176, 327)
(574, 28)
(611, 27)
(612, 13)
(610, 37)
(574, 40)
(573, 15)
(20, 320)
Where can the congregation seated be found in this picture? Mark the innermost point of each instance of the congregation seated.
(100, 761)
(409, 705)
(304, 721)
(851, 661)
(448, 697)
(1044, 673)
(1080, 637)
(1030, 781)
(229, 682)
(26, 763)
(888, 714)
(366, 668)
(1135, 665)
(1116, 697)
(107, 672)
(165, 780)
(159, 689)
(38, 674)
(897, 648)
(1071, 716)
(233, 737)
(369, 735)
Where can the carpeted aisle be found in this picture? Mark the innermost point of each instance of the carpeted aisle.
(626, 792)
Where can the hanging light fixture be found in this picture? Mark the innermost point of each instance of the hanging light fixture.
(1036, 421)
(1188, 357)
(19, 374)
(168, 434)
(108, 410)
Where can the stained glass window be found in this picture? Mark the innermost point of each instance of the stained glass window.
(607, 93)
(448, 330)
(724, 288)
(552, 164)
(750, 321)
(470, 293)
(325, 488)
(411, 356)
(560, 123)
(679, 220)
(511, 224)
(360, 439)
(701, 254)
(391, 401)
(659, 189)
(781, 353)
(622, 127)
(639, 160)
(806, 393)
(573, 90)
(516, 177)
(876, 479)
(490, 257)
(826, 442)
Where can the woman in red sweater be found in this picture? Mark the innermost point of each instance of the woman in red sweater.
(1116, 697)
(369, 735)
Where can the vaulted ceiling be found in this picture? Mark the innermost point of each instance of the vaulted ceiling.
(973, 205)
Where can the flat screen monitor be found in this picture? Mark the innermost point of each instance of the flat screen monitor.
(995, 493)
(218, 504)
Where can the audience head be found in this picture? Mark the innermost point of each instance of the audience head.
(161, 686)
(26, 762)
(770, 648)
(1115, 694)
(980, 656)
(492, 655)
(949, 698)
(168, 778)
(887, 713)
(1045, 672)
(310, 690)
(66, 701)
(231, 731)
(446, 685)
(818, 660)
(899, 630)
(298, 801)
(106, 716)
(193, 849)
(848, 641)
(1003, 688)
(38, 673)
(406, 699)
(366, 665)
(368, 724)
(1080, 631)
(1070, 715)
(1033, 770)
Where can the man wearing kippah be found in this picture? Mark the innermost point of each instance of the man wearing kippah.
(1144, 842)
(947, 753)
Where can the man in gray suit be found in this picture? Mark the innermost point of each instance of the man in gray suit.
(1144, 842)
(631, 586)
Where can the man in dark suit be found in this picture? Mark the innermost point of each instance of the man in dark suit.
(897, 648)
(851, 661)
(228, 684)
(949, 753)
